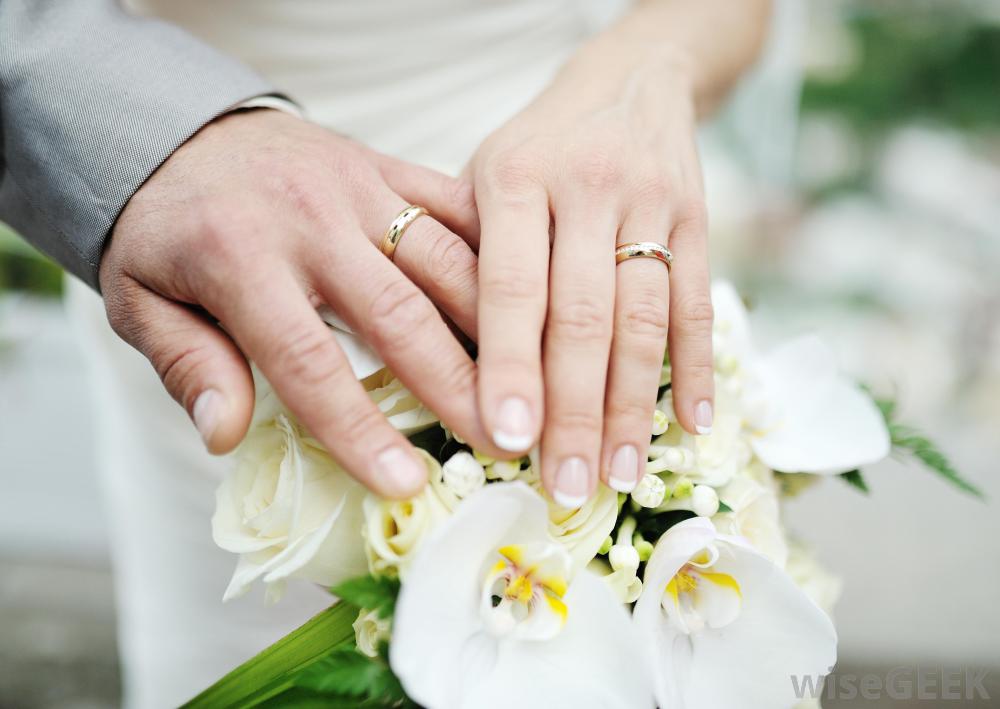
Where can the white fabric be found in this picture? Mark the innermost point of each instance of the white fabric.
(425, 80)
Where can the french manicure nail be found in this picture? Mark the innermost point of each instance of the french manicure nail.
(399, 470)
(572, 483)
(205, 413)
(624, 469)
(703, 417)
(514, 430)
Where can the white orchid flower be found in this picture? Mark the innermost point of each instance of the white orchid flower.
(805, 416)
(489, 616)
(723, 626)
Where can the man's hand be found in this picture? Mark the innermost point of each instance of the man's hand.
(255, 221)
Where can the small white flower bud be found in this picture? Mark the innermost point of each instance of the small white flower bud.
(660, 422)
(483, 459)
(650, 491)
(683, 488)
(369, 631)
(505, 470)
(704, 500)
(624, 557)
(463, 475)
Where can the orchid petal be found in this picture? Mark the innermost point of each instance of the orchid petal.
(593, 662)
(819, 421)
(751, 661)
(731, 330)
(445, 656)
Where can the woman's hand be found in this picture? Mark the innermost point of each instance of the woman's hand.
(606, 156)
(255, 221)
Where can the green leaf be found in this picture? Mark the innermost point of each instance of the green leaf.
(302, 698)
(377, 593)
(913, 442)
(910, 440)
(856, 479)
(269, 672)
(346, 672)
(723, 507)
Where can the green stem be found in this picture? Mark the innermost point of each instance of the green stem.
(269, 672)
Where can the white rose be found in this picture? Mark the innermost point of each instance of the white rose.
(369, 631)
(400, 407)
(289, 511)
(394, 529)
(583, 530)
(756, 514)
(463, 474)
(809, 575)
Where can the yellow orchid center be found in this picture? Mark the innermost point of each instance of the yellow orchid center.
(702, 595)
(523, 591)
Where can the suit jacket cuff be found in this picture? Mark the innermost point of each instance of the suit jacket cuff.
(93, 101)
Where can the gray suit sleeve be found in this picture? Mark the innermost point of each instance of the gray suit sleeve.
(92, 100)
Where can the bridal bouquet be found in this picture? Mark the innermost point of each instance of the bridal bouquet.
(482, 592)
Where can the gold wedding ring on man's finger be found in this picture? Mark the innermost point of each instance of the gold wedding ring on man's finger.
(399, 225)
(644, 249)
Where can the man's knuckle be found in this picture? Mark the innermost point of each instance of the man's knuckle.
(364, 424)
(221, 240)
(178, 369)
(450, 262)
(462, 196)
(310, 357)
(398, 311)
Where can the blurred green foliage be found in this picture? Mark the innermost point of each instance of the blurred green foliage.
(937, 62)
(22, 268)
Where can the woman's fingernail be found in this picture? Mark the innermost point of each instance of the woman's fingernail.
(514, 430)
(572, 483)
(399, 470)
(703, 417)
(624, 469)
(206, 412)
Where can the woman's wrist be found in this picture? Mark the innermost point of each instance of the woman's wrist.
(611, 65)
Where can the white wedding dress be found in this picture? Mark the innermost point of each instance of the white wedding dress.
(425, 80)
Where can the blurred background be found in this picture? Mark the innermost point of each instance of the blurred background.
(886, 241)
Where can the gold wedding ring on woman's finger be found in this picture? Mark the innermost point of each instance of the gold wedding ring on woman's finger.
(398, 227)
(644, 249)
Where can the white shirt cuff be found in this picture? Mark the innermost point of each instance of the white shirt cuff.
(271, 101)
